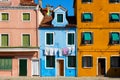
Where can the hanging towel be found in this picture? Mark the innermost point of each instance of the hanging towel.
(51, 51)
(46, 51)
(65, 51)
(70, 50)
(55, 51)
(60, 52)
(73, 50)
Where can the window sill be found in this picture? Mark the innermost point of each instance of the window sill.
(87, 67)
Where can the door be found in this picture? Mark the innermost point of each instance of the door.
(101, 67)
(60, 67)
(35, 67)
(23, 67)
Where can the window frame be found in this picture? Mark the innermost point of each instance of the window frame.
(111, 61)
(83, 41)
(22, 39)
(46, 39)
(26, 20)
(67, 38)
(91, 65)
(1, 39)
(86, 21)
(46, 63)
(7, 61)
(5, 13)
(110, 38)
(62, 17)
(114, 1)
(90, 1)
(110, 14)
(67, 62)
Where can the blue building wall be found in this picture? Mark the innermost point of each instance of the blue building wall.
(36, 1)
(59, 42)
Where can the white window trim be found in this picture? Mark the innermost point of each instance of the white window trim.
(67, 63)
(8, 39)
(26, 20)
(4, 20)
(48, 67)
(63, 17)
(92, 60)
(110, 60)
(67, 38)
(46, 39)
(22, 38)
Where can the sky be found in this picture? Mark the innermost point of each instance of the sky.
(68, 4)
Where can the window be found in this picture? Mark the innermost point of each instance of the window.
(26, 40)
(4, 40)
(114, 17)
(49, 38)
(87, 61)
(5, 63)
(85, 1)
(50, 61)
(114, 38)
(87, 38)
(5, 16)
(70, 39)
(114, 1)
(71, 61)
(115, 61)
(59, 17)
(26, 16)
(87, 17)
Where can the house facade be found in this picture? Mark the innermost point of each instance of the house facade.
(57, 44)
(19, 37)
(98, 24)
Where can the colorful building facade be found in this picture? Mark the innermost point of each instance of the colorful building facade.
(19, 20)
(57, 44)
(98, 25)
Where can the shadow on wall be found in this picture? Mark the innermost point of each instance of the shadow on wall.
(113, 72)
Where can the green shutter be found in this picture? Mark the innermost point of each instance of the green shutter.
(87, 36)
(115, 36)
(49, 38)
(59, 17)
(4, 16)
(4, 40)
(50, 61)
(5, 63)
(70, 38)
(26, 16)
(87, 16)
(115, 16)
(26, 40)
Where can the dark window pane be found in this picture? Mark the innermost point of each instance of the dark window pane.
(87, 61)
(86, 0)
(71, 38)
(49, 38)
(115, 61)
(50, 61)
(59, 17)
(87, 38)
(71, 61)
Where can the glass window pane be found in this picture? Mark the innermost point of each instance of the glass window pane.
(26, 40)
(4, 41)
(71, 61)
(70, 38)
(49, 38)
(59, 17)
(115, 61)
(87, 61)
(50, 61)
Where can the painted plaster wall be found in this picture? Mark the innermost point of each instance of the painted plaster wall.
(59, 42)
(100, 27)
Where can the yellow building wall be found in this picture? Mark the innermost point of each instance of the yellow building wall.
(100, 27)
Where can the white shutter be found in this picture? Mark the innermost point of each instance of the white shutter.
(35, 67)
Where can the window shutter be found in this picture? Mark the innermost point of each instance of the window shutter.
(4, 40)
(26, 40)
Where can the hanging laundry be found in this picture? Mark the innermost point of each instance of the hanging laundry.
(70, 50)
(55, 51)
(46, 51)
(65, 51)
(60, 52)
(51, 51)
